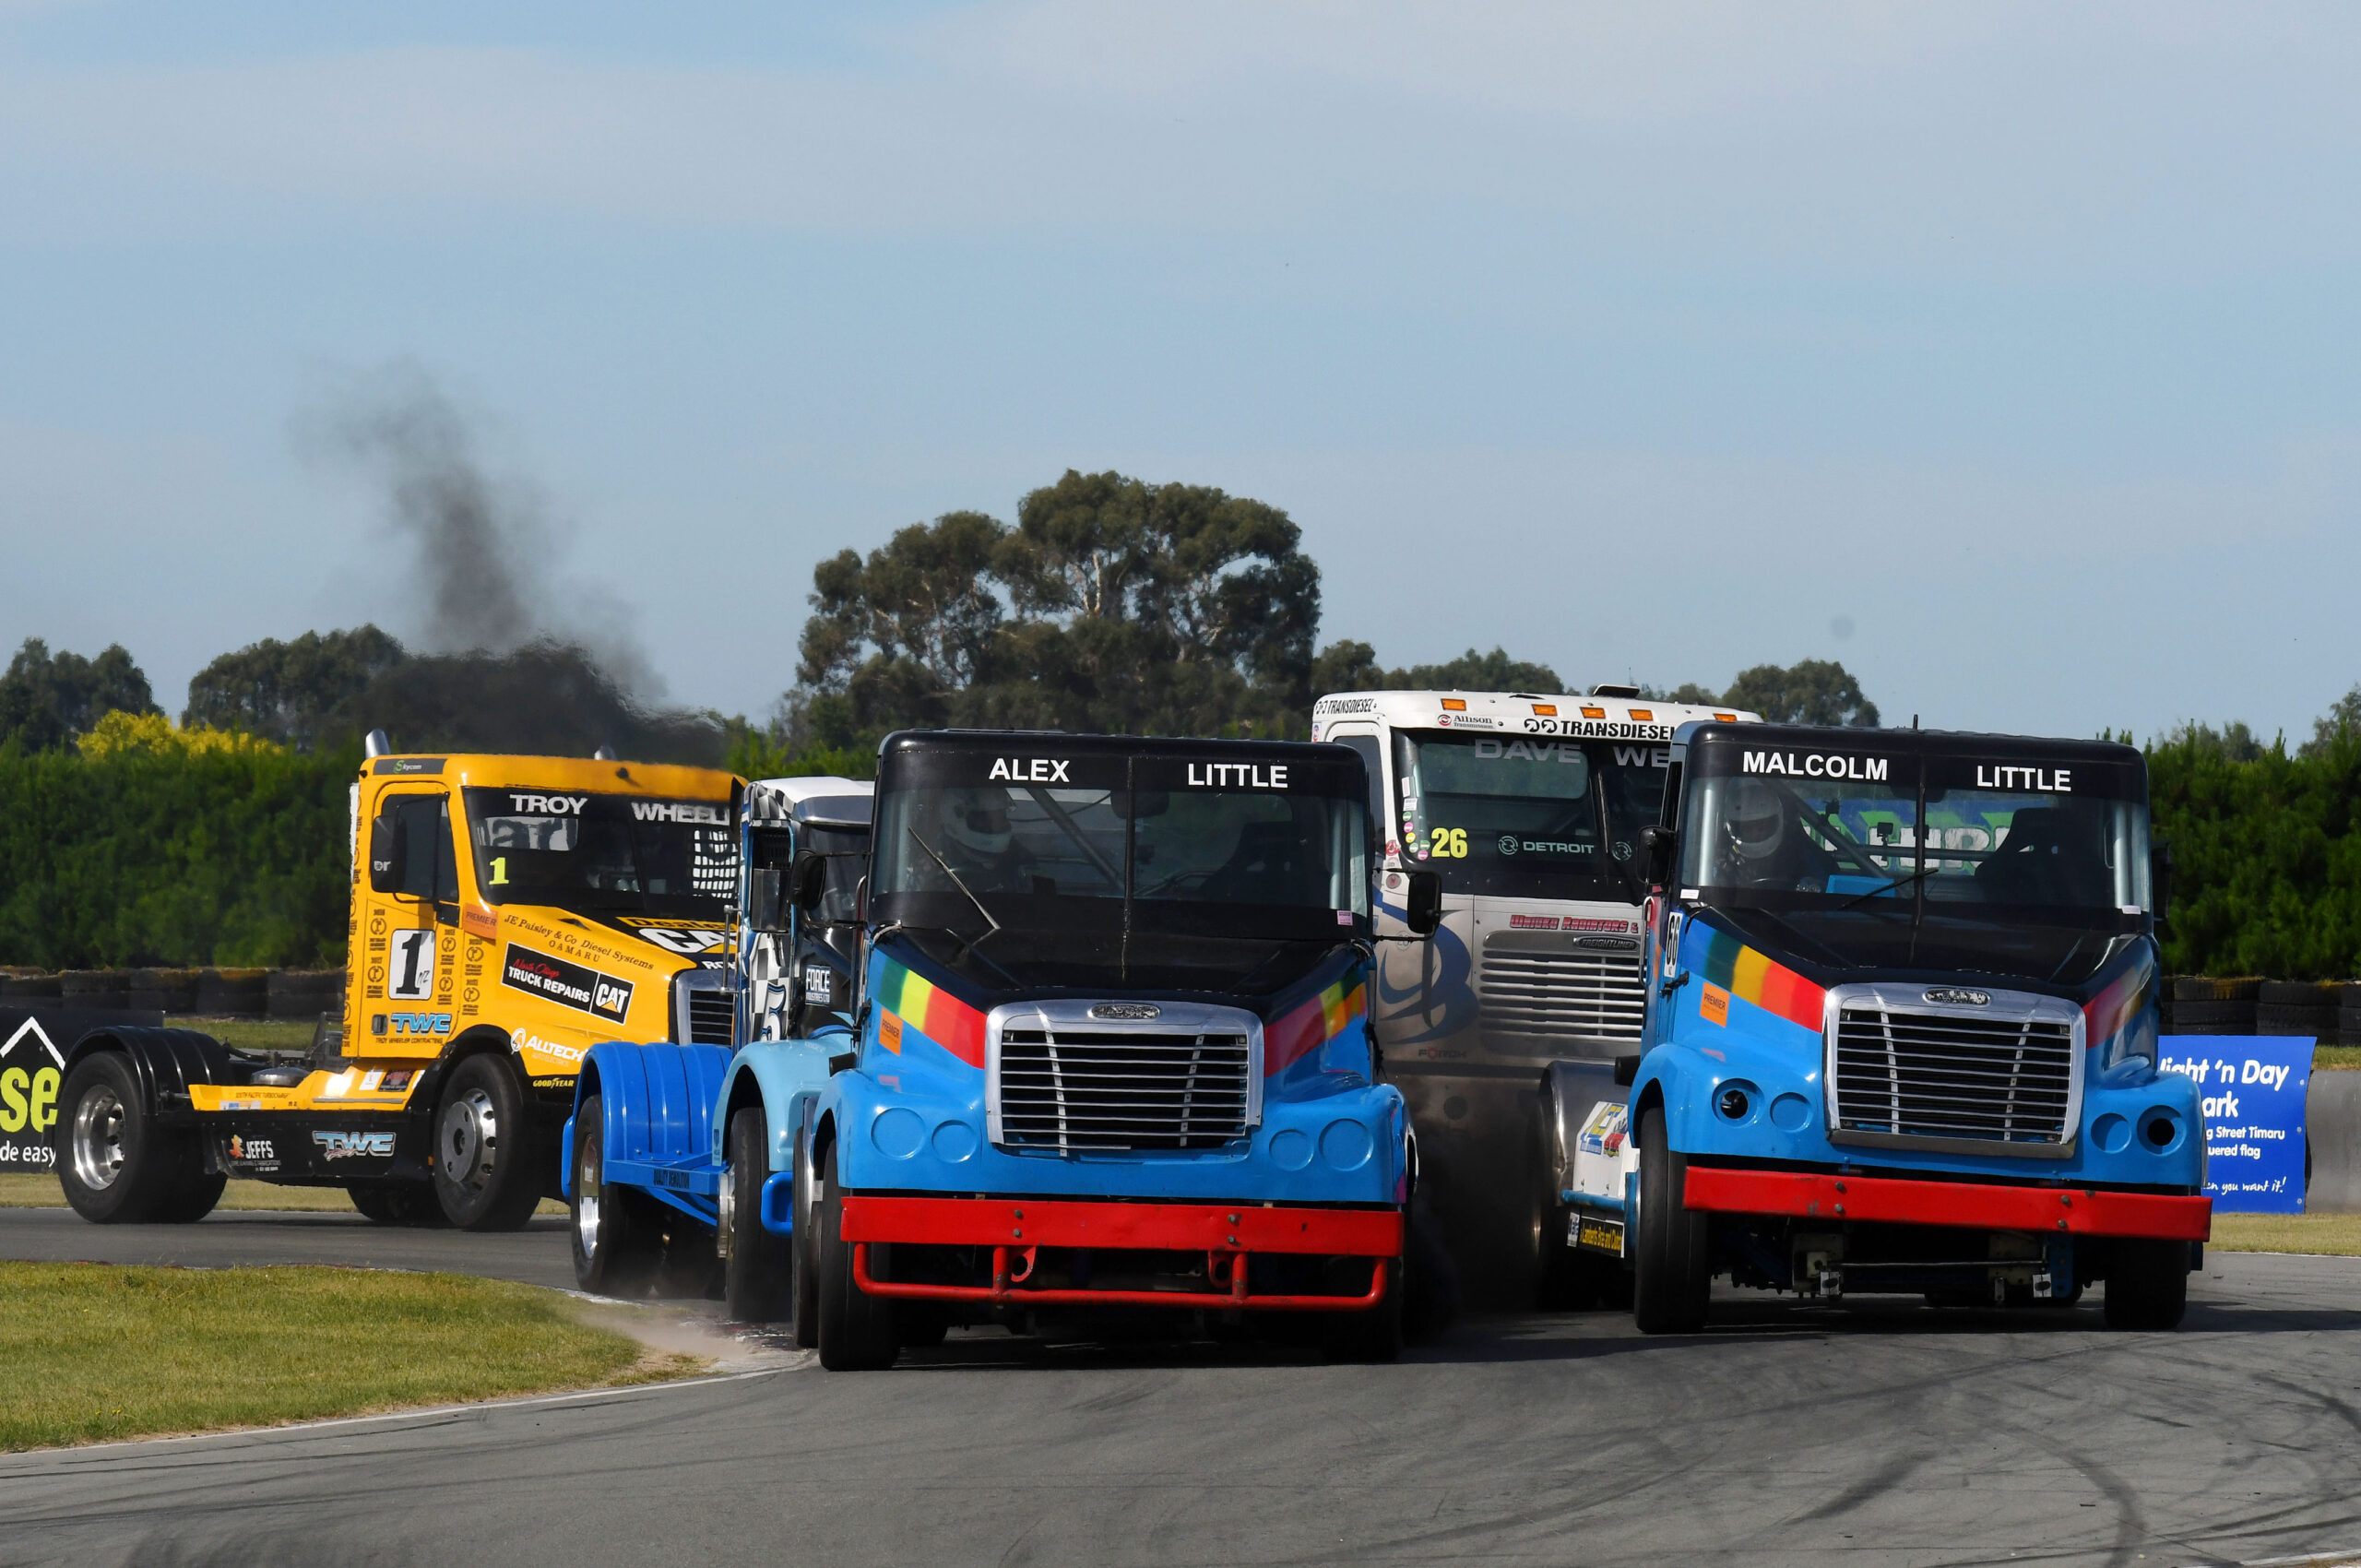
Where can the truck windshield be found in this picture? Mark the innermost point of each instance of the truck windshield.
(606, 854)
(1976, 830)
(1138, 845)
(1526, 817)
(847, 852)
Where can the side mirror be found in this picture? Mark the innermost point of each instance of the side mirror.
(809, 880)
(1657, 846)
(2160, 879)
(762, 912)
(389, 853)
(1422, 902)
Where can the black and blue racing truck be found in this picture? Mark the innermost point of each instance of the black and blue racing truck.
(1901, 1036)
(1108, 1053)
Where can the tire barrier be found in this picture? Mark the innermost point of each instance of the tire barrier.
(2195, 1005)
(27, 988)
(94, 988)
(161, 991)
(232, 993)
(305, 994)
(2299, 1007)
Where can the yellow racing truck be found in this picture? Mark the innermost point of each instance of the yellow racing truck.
(507, 913)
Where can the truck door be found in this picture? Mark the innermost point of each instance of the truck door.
(410, 925)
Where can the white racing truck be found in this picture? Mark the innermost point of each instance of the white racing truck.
(1529, 806)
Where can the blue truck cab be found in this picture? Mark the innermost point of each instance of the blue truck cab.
(1111, 1048)
(679, 1157)
(1901, 1035)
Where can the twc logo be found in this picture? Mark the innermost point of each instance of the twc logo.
(416, 1023)
(348, 1145)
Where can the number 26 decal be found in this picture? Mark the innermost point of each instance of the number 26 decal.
(1449, 844)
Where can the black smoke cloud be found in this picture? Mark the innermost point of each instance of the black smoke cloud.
(518, 655)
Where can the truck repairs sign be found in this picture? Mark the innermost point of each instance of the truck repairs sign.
(2250, 1092)
(568, 984)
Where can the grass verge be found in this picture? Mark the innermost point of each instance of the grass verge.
(21, 1190)
(99, 1351)
(2338, 1233)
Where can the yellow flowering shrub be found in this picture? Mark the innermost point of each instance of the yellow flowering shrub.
(127, 735)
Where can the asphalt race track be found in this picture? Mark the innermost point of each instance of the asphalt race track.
(1874, 1433)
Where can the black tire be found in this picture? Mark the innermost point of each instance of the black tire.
(856, 1329)
(807, 1250)
(615, 1251)
(487, 1160)
(758, 1277)
(1560, 1283)
(1372, 1333)
(116, 1165)
(193, 1196)
(921, 1326)
(1673, 1277)
(2147, 1285)
(397, 1202)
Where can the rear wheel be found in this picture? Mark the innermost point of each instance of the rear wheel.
(116, 1165)
(2147, 1284)
(487, 1173)
(856, 1329)
(757, 1277)
(1560, 1283)
(1673, 1275)
(194, 1193)
(397, 1202)
(614, 1253)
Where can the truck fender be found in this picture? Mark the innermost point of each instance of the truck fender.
(773, 1074)
(164, 1063)
(1569, 1093)
(656, 1101)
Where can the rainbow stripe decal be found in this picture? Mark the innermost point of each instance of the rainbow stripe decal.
(906, 999)
(1733, 967)
(1304, 1029)
(2121, 1002)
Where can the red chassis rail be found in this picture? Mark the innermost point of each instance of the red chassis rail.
(1014, 1228)
(2083, 1211)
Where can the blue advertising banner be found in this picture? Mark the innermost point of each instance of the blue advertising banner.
(2252, 1093)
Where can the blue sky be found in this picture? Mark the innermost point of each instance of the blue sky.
(2005, 353)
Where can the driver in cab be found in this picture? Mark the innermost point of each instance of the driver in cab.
(975, 844)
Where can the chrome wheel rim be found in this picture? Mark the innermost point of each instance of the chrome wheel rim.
(586, 1204)
(98, 1139)
(471, 1139)
(726, 1210)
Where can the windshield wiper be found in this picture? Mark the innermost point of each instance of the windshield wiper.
(1921, 875)
(962, 886)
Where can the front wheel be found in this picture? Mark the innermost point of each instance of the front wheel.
(1673, 1271)
(487, 1171)
(757, 1277)
(2147, 1285)
(116, 1165)
(856, 1329)
(396, 1203)
(614, 1253)
(806, 1245)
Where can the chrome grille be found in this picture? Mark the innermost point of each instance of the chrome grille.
(1917, 1077)
(701, 1007)
(1080, 1088)
(1563, 995)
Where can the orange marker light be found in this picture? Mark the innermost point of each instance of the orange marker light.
(1546, 709)
(1594, 713)
(1456, 704)
(1726, 718)
(1644, 715)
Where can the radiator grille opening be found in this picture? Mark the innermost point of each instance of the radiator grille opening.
(1562, 995)
(1938, 1075)
(708, 1016)
(1115, 1090)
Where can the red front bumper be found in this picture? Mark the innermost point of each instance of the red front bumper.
(1228, 1234)
(2079, 1211)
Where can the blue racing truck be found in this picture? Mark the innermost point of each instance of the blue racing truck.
(1901, 1035)
(1108, 1051)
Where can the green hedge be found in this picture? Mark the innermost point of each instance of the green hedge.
(2266, 857)
(224, 857)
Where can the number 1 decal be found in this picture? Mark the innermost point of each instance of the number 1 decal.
(413, 966)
